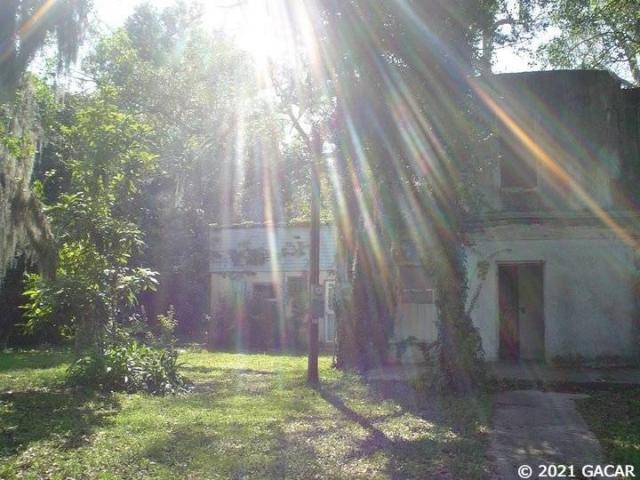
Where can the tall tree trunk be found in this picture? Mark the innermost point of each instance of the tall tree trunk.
(89, 337)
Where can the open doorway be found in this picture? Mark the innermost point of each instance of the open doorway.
(521, 310)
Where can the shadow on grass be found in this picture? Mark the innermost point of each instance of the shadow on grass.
(376, 437)
(250, 423)
(31, 416)
(311, 434)
(36, 359)
(219, 454)
(454, 448)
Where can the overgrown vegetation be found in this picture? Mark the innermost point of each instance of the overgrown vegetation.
(614, 416)
(22, 223)
(96, 224)
(248, 416)
(603, 35)
(132, 367)
(93, 297)
(252, 323)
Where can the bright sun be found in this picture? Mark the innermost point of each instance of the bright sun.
(261, 27)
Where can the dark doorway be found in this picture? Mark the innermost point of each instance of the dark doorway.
(263, 322)
(521, 303)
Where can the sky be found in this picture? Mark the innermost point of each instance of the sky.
(249, 25)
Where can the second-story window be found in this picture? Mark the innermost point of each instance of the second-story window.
(516, 171)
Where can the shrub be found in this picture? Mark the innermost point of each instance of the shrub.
(167, 324)
(129, 368)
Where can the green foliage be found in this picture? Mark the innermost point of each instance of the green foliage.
(614, 416)
(26, 26)
(166, 328)
(17, 146)
(595, 34)
(212, 133)
(97, 225)
(129, 368)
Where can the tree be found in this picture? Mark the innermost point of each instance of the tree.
(218, 140)
(96, 222)
(500, 23)
(25, 27)
(400, 72)
(595, 34)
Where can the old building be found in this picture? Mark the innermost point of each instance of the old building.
(552, 255)
(552, 251)
(258, 287)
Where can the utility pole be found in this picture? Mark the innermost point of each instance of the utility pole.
(315, 289)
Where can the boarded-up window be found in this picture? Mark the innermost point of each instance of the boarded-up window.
(416, 284)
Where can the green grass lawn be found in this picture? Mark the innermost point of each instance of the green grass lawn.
(249, 416)
(615, 419)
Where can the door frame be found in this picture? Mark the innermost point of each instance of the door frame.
(517, 263)
(329, 308)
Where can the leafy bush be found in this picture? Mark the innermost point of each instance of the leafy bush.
(167, 324)
(129, 368)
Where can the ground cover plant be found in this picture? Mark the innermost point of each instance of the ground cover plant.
(614, 416)
(248, 416)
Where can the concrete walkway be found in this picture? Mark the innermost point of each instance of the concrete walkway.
(547, 374)
(533, 428)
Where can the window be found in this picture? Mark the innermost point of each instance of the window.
(264, 291)
(516, 173)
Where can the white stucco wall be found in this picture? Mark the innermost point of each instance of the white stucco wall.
(236, 288)
(588, 289)
(244, 255)
(415, 320)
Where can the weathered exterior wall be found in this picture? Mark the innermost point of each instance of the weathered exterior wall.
(589, 304)
(237, 288)
(415, 320)
(579, 133)
(246, 255)
(568, 125)
(262, 248)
